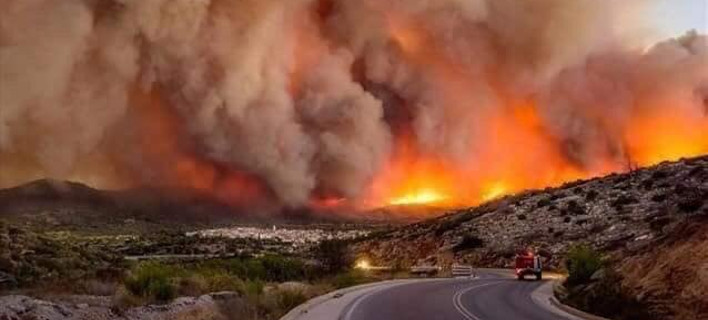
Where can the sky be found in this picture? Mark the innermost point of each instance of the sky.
(675, 17)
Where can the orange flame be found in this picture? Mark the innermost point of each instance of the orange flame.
(519, 155)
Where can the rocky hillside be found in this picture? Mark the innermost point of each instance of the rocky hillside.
(638, 220)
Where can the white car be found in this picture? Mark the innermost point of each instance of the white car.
(426, 271)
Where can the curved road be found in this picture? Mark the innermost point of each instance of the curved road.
(490, 297)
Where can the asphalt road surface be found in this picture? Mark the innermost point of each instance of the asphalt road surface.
(490, 297)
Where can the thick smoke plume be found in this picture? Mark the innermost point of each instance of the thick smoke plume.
(308, 102)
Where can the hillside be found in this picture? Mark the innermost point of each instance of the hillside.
(60, 205)
(636, 219)
(52, 205)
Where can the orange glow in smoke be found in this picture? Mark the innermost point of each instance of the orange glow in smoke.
(409, 39)
(513, 150)
(163, 146)
(655, 137)
(517, 155)
(326, 203)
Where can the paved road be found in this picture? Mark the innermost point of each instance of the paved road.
(491, 297)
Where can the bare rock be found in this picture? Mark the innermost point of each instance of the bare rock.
(18, 307)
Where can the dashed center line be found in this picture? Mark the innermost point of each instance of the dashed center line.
(457, 301)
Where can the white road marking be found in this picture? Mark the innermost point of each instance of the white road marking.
(358, 300)
(350, 312)
(457, 301)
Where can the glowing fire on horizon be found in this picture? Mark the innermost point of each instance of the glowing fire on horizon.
(495, 191)
(414, 179)
(419, 197)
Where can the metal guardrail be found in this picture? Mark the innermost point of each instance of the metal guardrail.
(462, 271)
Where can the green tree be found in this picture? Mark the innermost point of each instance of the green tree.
(333, 255)
(582, 261)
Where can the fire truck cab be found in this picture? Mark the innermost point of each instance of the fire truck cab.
(528, 264)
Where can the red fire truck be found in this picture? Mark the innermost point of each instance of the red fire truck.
(527, 263)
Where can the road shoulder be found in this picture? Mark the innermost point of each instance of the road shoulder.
(544, 297)
(331, 305)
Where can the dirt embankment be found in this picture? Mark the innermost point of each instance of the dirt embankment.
(672, 277)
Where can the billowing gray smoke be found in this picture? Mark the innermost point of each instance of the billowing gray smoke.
(305, 96)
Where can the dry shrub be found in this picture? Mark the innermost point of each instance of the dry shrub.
(193, 285)
(224, 282)
(99, 288)
(124, 299)
(239, 309)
